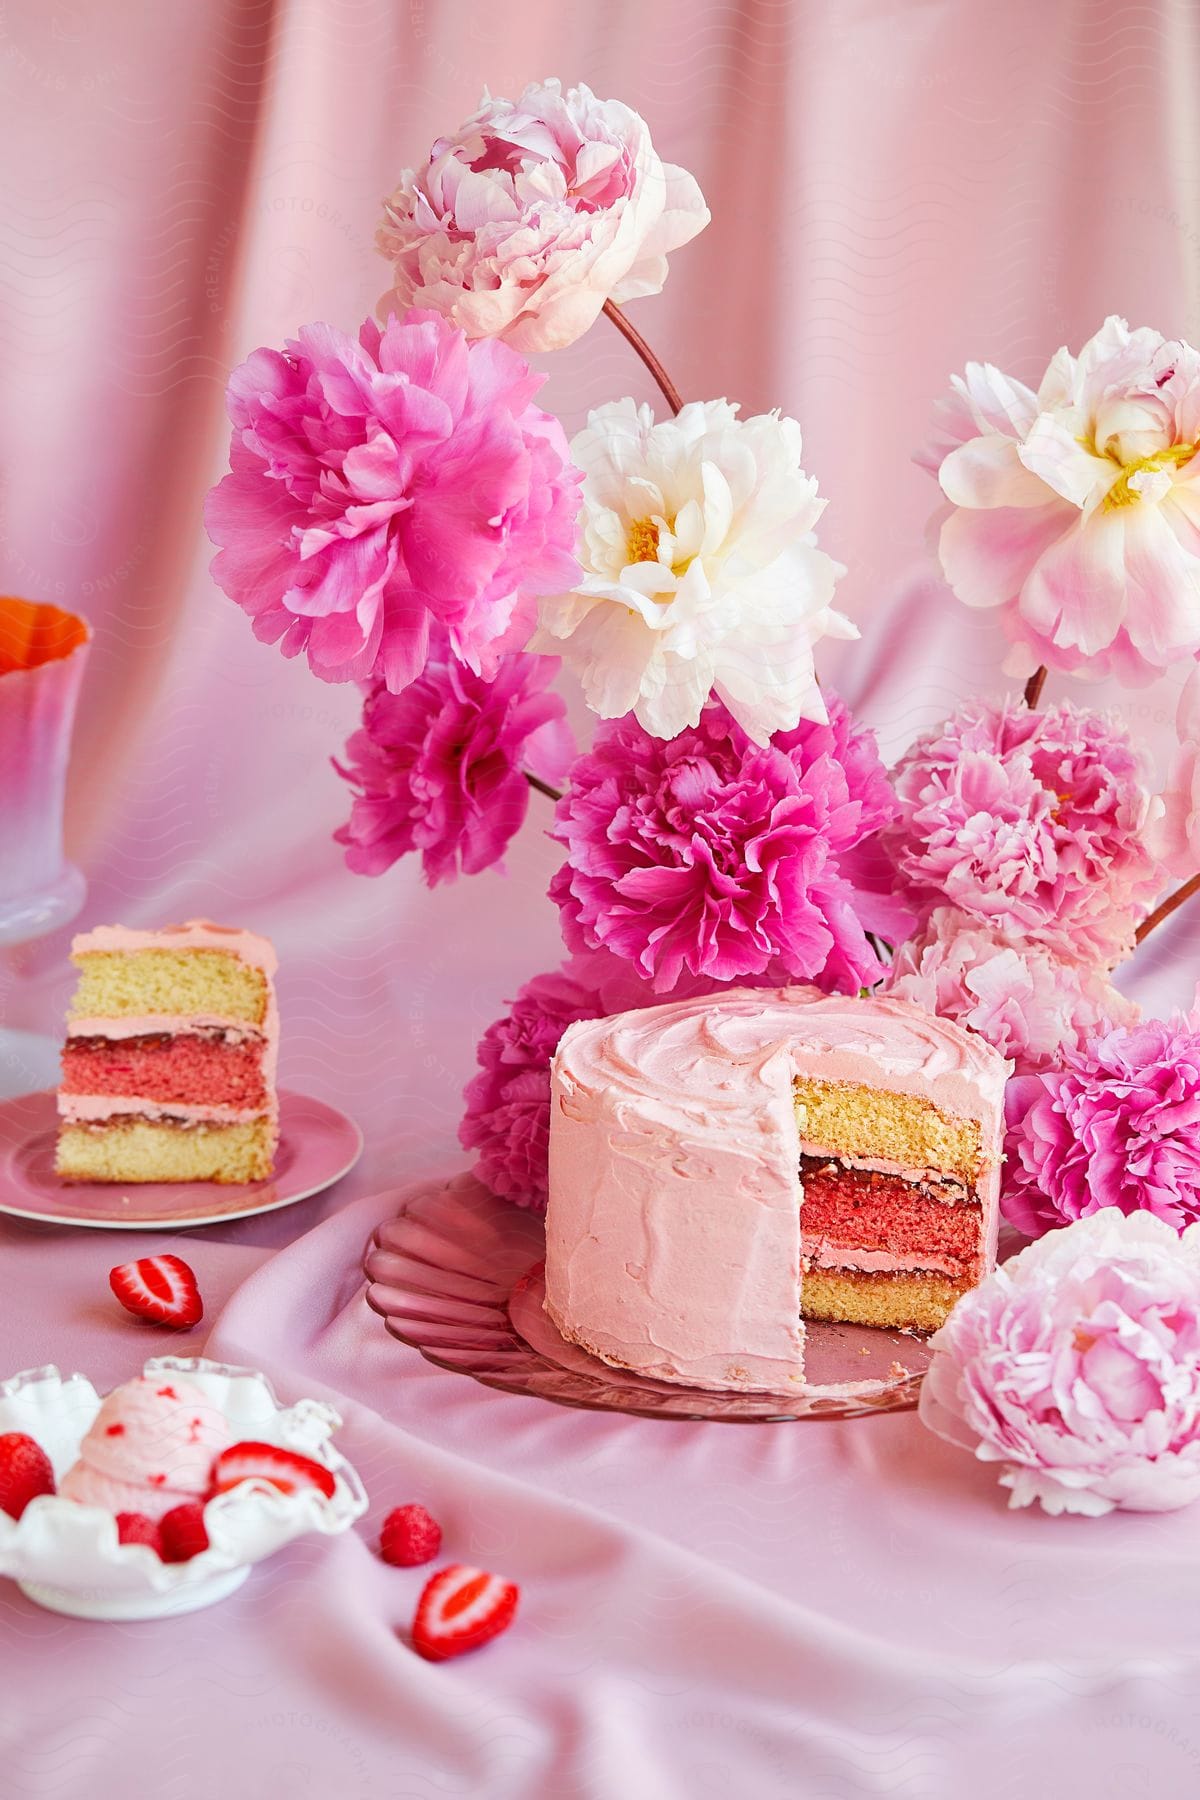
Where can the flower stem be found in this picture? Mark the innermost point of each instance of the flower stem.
(543, 787)
(1167, 907)
(1034, 686)
(632, 335)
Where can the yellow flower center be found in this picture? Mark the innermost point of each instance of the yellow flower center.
(1121, 494)
(641, 541)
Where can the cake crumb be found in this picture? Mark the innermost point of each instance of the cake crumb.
(897, 1371)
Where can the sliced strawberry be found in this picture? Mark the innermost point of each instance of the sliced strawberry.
(409, 1536)
(287, 1470)
(159, 1288)
(459, 1610)
(184, 1533)
(136, 1528)
(25, 1472)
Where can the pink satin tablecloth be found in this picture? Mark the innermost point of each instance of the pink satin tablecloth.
(767, 1611)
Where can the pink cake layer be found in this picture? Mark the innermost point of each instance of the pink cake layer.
(193, 1067)
(853, 1210)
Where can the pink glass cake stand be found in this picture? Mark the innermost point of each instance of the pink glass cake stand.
(457, 1275)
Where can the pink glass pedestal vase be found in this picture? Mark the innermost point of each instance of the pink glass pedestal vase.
(42, 655)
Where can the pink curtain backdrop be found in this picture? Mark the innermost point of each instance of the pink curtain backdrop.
(896, 187)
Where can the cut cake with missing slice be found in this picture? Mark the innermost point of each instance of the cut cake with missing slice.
(168, 1070)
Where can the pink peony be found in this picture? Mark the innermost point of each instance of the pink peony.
(1117, 1125)
(532, 215)
(1029, 1004)
(1176, 837)
(1077, 1366)
(508, 1103)
(1077, 509)
(440, 767)
(1036, 823)
(383, 486)
(712, 856)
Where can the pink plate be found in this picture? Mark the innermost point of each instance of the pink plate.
(317, 1146)
(457, 1274)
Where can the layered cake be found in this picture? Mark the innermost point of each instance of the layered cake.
(168, 1071)
(722, 1169)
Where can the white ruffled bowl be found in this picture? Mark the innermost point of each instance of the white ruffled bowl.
(66, 1557)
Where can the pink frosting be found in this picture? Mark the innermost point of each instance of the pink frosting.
(673, 1227)
(89, 1109)
(151, 1446)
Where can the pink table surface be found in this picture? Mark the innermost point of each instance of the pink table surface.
(817, 1610)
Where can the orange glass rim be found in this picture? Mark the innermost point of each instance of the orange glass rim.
(33, 632)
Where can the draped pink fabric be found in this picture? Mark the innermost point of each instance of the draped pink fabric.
(895, 188)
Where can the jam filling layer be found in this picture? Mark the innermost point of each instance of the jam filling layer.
(191, 1068)
(867, 1211)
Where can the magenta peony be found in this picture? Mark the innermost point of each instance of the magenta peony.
(1077, 1366)
(1036, 823)
(1117, 1125)
(1029, 1004)
(710, 856)
(382, 487)
(507, 1120)
(1075, 509)
(532, 215)
(441, 767)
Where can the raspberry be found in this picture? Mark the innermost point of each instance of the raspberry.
(409, 1536)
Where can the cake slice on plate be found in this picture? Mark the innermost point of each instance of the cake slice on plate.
(722, 1169)
(168, 1071)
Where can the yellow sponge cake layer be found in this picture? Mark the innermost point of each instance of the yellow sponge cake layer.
(136, 1150)
(870, 1123)
(119, 984)
(900, 1302)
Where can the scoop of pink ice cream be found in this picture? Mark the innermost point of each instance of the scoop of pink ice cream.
(151, 1446)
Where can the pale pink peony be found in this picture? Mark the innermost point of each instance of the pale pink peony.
(440, 768)
(381, 488)
(1077, 509)
(712, 856)
(1036, 823)
(1176, 837)
(534, 214)
(1077, 1366)
(1029, 1004)
(1117, 1125)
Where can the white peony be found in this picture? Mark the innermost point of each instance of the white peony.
(701, 572)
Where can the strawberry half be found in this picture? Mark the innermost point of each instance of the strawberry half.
(287, 1470)
(136, 1528)
(183, 1532)
(25, 1472)
(159, 1288)
(459, 1610)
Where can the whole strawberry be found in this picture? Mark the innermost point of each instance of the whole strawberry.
(410, 1536)
(25, 1472)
